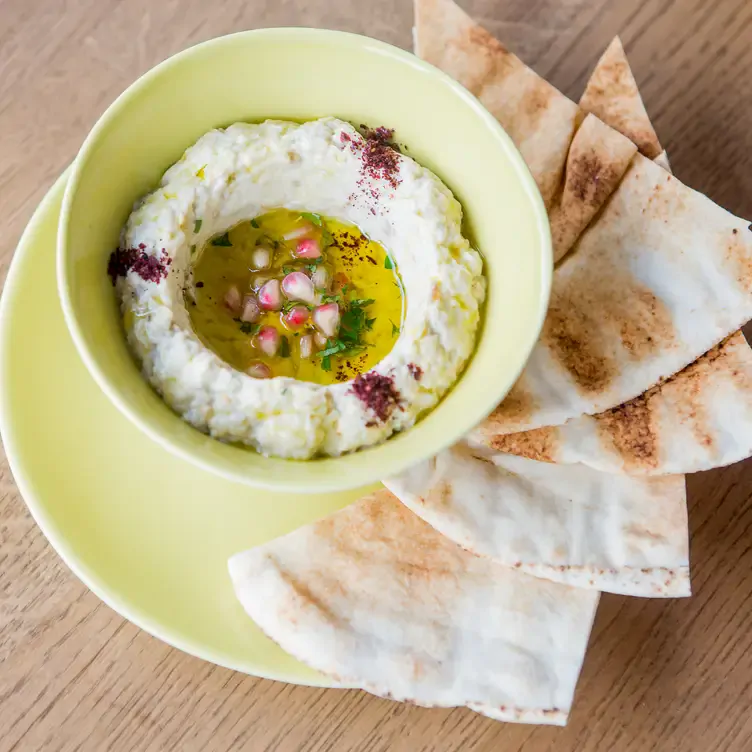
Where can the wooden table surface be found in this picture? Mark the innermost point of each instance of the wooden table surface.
(673, 675)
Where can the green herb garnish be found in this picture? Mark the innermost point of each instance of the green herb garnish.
(222, 240)
(312, 266)
(388, 263)
(197, 226)
(193, 249)
(254, 223)
(326, 363)
(334, 349)
(248, 328)
(395, 328)
(288, 269)
(326, 298)
(326, 238)
(284, 347)
(311, 217)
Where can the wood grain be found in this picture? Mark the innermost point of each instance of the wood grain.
(659, 675)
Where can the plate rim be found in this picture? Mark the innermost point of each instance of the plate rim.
(57, 540)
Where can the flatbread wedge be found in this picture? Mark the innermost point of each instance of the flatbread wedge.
(615, 326)
(376, 598)
(612, 95)
(597, 160)
(659, 278)
(699, 419)
(539, 119)
(567, 523)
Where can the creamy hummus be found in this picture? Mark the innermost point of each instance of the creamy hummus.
(241, 172)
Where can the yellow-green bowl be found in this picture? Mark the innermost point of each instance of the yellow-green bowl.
(301, 74)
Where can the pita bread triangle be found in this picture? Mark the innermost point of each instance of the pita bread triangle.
(597, 160)
(569, 524)
(699, 419)
(614, 328)
(612, 95)
(539, 119)
(376, 598)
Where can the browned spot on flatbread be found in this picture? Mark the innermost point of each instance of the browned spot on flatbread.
(517, 407)
(441, 494)
(537, 444)
(591, 178)
(592, 308)
(629, 429)
(739, 256)
(307, 599)
(380, 527)
(535, 102)
(476, 57)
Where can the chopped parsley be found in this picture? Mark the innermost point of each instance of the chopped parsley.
(284, 347)
(395, 328)
(222, 240)
(193, 249)
(327, 298)
(288, 269)
(327, 238)
(388, 263)
(311, 217)
(248, 328)
(254, 223)
(353, 324)
(314, 263)
(197, 226)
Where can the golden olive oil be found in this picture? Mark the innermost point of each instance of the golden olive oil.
(363, 282)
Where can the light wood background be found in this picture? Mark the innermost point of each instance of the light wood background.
(659, 675)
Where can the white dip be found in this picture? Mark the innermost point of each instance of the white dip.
(246, 170)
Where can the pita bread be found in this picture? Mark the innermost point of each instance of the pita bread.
(539, 119)
(699, 419)
(570, 524)
(376, 598)
(661, 277)
(662, 161)
(597, 160)
(612, 95)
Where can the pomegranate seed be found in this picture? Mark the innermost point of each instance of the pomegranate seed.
(326, 318)
(259, 371)
(251, 310)
(320, 278)
(306, 346)
(268, 340)
(309, 248)
(233, 299)
(298, 232)
(296, 317)
(297, 286)
(270, 296)
(262, 257)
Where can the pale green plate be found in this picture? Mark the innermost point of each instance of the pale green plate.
(149, 533)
